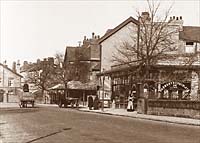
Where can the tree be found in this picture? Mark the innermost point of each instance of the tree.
(60, 69)
(42, 75)
(156, 38)
(154, 41)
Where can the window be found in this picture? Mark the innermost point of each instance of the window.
(10, 82)
(189, 47)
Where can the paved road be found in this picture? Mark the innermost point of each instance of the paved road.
(55, 125)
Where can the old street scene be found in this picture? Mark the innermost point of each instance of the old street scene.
(100, 71)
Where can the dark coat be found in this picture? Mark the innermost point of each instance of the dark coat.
(90, 101)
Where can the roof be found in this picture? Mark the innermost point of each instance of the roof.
(57, 87)
(77, 53)
(179, 67)
(190, 33)
(110, 32)
(10, 70)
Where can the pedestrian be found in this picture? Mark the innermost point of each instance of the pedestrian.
(96, 103)
(90, 102)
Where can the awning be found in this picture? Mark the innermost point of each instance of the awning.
(57, 87)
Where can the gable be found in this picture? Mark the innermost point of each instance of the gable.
(111, 32)
(11, 71)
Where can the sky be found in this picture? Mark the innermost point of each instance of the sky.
(32, 30)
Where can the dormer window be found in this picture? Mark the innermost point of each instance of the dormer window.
(189, 47)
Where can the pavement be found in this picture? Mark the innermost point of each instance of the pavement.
(121, 112)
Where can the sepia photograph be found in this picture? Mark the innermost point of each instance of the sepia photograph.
(99, 71)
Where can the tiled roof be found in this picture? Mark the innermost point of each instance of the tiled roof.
(10, 70)
(113, 31)
(77, 53)
(190, 33)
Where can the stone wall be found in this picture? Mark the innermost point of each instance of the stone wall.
(189, 109)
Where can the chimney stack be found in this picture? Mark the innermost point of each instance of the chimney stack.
(18, 66)
(92, 35)
(14, 67)
(144, 17)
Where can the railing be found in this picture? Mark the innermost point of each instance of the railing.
(177, 104)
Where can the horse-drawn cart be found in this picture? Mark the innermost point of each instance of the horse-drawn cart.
(25, 99)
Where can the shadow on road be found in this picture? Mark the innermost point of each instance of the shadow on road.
(50, 134)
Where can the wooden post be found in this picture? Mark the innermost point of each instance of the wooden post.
(83, 97)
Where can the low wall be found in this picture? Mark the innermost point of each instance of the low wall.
(180, 108)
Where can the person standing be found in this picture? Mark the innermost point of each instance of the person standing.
(90, 102)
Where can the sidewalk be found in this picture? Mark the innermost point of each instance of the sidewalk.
(8, 105)
(123, 112)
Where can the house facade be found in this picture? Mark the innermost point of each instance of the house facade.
(10, 84)
(81, 65)
(174, 78)
(83, 62)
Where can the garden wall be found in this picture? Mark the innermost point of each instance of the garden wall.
(180, 108)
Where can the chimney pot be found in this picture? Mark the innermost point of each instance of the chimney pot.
(176, 18)
(92, 35)
(181, 18)
(84, 37)
(173, 17)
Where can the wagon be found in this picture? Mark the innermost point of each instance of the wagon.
(25, 99)
(68, 101)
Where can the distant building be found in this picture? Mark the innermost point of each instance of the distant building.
(81, 65)
(32, 73)
(10, 83)
(83, 62)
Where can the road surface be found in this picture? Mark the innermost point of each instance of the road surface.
(61, 125)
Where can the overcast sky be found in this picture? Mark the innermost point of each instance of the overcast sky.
(38, 29)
